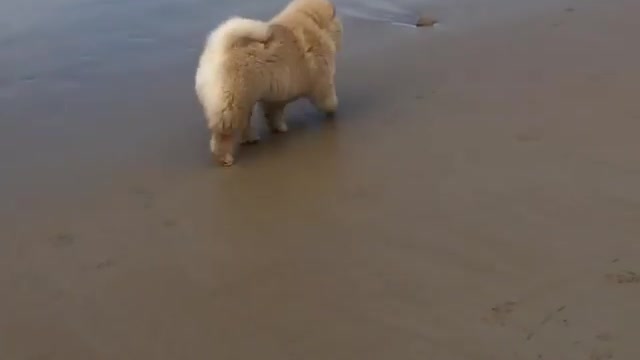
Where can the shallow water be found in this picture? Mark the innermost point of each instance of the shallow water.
(61, 44)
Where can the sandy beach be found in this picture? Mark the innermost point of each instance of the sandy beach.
(476, 198)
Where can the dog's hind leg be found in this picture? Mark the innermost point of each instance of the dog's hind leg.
(274, 114)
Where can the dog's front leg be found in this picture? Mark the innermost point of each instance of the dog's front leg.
(250, 134)
(325, 99)
(222, 148)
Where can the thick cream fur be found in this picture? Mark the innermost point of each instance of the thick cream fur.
(247, 61)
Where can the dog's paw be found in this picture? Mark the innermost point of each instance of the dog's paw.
(224, 160)
(249, 136)
(280, 127)
(250, 140)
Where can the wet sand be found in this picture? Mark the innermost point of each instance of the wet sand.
(476, 198)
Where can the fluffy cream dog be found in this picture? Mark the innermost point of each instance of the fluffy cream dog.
(272, 63)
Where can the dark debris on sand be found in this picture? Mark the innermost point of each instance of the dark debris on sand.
(425, 21)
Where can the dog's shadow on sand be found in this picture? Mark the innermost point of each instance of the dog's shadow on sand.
(307, 122)
(363, 104)
(359, 107)
(303, 120)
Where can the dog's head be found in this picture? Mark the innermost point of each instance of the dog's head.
(323, 14)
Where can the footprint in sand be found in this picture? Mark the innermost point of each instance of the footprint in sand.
(624, 277)
(105, 264)
(500, 313)
(146, 196)
(169, 223)
(599, 354)
(529, 136)
(63, 240)
(604, 337)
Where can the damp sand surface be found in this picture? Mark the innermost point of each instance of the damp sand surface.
(476, 197)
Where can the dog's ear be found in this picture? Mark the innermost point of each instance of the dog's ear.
(322, 12)
(269, 37)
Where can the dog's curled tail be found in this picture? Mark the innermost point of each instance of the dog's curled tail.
(235, 29)
(211, 81)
